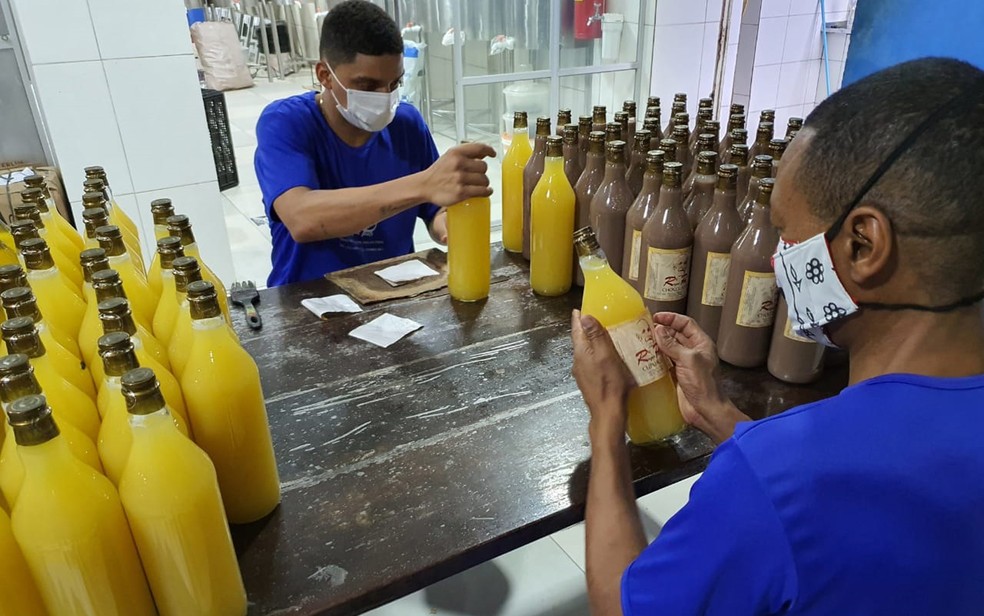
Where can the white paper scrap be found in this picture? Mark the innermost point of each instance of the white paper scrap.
(13, 177)
(385, 330)
(405, 272)
(332, 304)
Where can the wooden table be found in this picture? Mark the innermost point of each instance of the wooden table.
(468, 439)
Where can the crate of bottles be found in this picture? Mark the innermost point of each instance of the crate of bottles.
(220, 134)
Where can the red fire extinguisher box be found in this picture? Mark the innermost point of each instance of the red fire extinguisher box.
(587, 19)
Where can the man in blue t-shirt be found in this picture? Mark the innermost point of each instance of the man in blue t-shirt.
(346, 172)
(870, 502)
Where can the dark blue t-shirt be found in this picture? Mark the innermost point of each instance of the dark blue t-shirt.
(871, 502)
(296, 147)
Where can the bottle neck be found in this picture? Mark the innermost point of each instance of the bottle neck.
(725, 198)
(208, 323)
(670, 197)
(614, 169)
(553, 164)
(47, 463)
(650, 182)
(115, 248)
(149, 426)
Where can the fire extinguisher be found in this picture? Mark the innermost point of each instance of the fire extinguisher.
(587, 19)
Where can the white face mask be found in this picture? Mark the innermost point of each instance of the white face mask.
(370, 111)
(815, 296)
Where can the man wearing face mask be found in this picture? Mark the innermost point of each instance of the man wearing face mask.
(346, 172)
(869, 502)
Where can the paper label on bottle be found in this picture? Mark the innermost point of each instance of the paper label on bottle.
(789, 333)
(634, 255)
(716, 278)
(669, 274)
(635, 341)
(759, 296)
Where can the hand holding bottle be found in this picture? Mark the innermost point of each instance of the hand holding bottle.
(696, 368)
(458, 175)
(601, 376)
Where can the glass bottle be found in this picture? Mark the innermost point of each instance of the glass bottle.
(655, 133)
(705, 143)
(681, 134)
(531, 175)
(587, 185)
(583, 130)
(180, 226)
(225, 404)
(170, 493)
(38, 194)
(713, 239)
(637, 166)
(642, 208)
(653, 408)
(762, 138)
(552, 224)
(735, 122)
(70, 525)
(669, 147)
(761, 169)
(610, 205)
(137, 290)
(185, 271)
(777, 147)
(750, 305)
(652, 101)
(12, 276)
(469, 269)
(107, 285)
(58, 300)
(168, 249)
(622, 119)
(563, 119)
(629, 108)
(161, 210)
(738, 135)
(667, 244)
(767, 115)
(18, 593)
(20, 302)
(794, 125)
(572, 154)
(93, 260)
(702, 196)
(513, 163)
(613, 132)
(61, 249)
(116, 214)
(704, 115)
(739, 158)
(20, 336)
(99, 199)
(93, 218)
(599, 118)
(677, 108)
(793, 358)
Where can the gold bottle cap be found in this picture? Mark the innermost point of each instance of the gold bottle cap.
(671, 174)
(706, 103)
(161, 210)
(36, 254)
(17, 378)
(727, 177)
(706, 141)
(95, 171)
(739, 154)
(20, 302)
(778, 148)
(585, 242)
(615, 151)
(95, 184)
(12, 275)
(571, 136)
(795, 122)
(653, 112)
(21, 336)
(31, 196)
(706, 162)
(33, 181)
(555, 146)
(613, 132)
(563, 117)
(680, 97)
(203, 301)
(28, 211)
(599, 114)
(542, 126)
(654, 161)
(169, 248)
(669, 147)
(115, 316)
(584, 125)
(737, 108)
(765, 130)
(186, 271)
(94, 199)
(762, 166)
(736, 121)
(651, 124)
(93, 260)
(110, 239)
(629, 107)
(765, 191)
(142, 391)
(652, 101)
(713, 127)
(23, 230)
(739, 135)
(31, 421)
(116, 350)
(520, 120)
(107, 284)
(596, 142)
(641, 140)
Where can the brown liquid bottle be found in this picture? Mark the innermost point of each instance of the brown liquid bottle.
(706, 143)
(793, 358)
(669, 147)
(629, 107)
(767, 115)
(705, 103)
(655, 134)
(713, 239)
(622, 119)
(677, 108)
(642, 208)
(762, 138)
(531, 175)
(761, 169)
(563, 119)
(572, 154)
(750, 305)
(739, 158)
(702, 196)
(667, 243)
(793, 126)
(587, 185)
(610, 205)
(583, 129)
(599, 118)
(738, 135)
(652, 101)
(680, 134)
(613, 132)
(637, 166)
(735, 122)
(777, 147)
(704, 116)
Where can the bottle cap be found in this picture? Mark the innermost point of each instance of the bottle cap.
(519, 120)
(542, 126)
(585, 242)
(555, 146)
(161, 209)
(31, 421)
(571, 136)
(36, 254)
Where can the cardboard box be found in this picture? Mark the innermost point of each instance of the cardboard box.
(10, 191)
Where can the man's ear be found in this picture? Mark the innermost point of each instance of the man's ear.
(323, 74)
(866, 248)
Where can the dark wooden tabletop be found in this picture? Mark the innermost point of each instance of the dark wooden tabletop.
(463, 441)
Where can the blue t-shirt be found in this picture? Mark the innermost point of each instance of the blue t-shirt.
(871, 502)
(296, 147)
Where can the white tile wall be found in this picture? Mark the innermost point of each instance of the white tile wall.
(804, 7)
(708, 60)
(673, 12)
(120, 34)
(771, 39)
(794, 79)
(677, 53)
(803, 38)
(56, 30)
(775, 8)
(713, 13)
(765, 87)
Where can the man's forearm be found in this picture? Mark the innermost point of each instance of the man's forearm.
(614, 530)
(314, 215)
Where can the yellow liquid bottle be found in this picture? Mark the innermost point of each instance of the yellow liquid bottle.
(93, 260)
(106, 285)
(185, 271)
(161, 210)
(115, 437)
(96, 199)
(551, 226)
(117, 216)
(654, 411)
(20, 302)
(17, 381)
(19, 595)
(49, 213)
(513, 164)
(62, 250)
(134, 281)
(469, 268)
(225, 404)
(7, 238)
(58, 301)
(8, 256)
(114, 314)
(168, 249)
(25, 230)
(20, 336)
(71, 527)
(171, 497)
(179, 226)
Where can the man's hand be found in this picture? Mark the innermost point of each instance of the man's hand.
(439, 228)
(458, 175)
(601, 376)
(702, 403)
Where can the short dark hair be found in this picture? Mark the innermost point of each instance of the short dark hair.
(358, 26)
(932, 192)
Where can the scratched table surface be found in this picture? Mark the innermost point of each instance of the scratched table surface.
(463, 441)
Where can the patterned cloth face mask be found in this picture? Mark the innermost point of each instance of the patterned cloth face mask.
(805, 272)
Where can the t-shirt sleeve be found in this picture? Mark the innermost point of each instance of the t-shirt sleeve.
(282, 160)
(426, 211)
(724, 553)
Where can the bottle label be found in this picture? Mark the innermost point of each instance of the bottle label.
(716, 278)
(789, 333)
(634, 255)
(635, 341)
(668, 275)
(759, 296)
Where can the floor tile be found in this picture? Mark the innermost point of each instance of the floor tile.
(249, 244)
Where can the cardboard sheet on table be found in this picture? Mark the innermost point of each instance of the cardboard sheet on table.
(366, 287)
